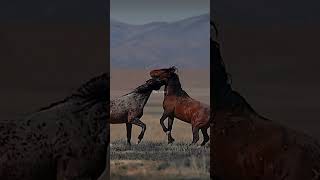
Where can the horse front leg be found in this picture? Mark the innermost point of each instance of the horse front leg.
(137, 122)
(170, 123)
(129, 130)
(195, 132)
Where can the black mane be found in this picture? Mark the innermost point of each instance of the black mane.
(176, 85)
(141, 89)
(213, 27)
(219, 76)
(92, 92)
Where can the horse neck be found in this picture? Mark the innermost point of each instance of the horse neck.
(219, 76)
(146, 97)
(173, 87)
(141, 97)
(94, 116)
(143, 89)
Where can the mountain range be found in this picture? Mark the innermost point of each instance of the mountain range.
(183, 43)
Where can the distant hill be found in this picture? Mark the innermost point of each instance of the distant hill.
(183, 43)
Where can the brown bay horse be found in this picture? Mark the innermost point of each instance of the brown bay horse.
(247, 146)
(178, 104)
(129, 108)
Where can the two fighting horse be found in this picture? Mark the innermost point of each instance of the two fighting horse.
(129, 108)
(178, 104)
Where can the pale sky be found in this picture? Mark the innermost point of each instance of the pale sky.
(145, 11)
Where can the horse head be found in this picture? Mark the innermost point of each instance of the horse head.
(155, 83)
(163, 74)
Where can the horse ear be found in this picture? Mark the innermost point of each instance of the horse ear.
(173, 69)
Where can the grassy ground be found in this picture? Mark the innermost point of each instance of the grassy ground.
(153, 157)
(159, 161)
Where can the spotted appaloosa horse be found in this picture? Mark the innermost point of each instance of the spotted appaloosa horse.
(178, 104)
(247, 146)
(66, 140)
(129, 108)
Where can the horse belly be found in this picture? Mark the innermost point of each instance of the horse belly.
(193, 112)
(182, 112)
(201, 116)
(118, 117)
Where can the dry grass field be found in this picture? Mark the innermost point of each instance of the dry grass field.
(153, 157)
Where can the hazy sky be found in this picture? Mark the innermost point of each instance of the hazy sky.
(144, 11)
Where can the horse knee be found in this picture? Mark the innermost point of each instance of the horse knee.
(144, 127)
(165, 129)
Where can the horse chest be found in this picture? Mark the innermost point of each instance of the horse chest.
(169, 103)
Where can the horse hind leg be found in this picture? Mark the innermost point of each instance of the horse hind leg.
(170, 123)
(195, 132)
(137, 122)
(206, 137)
(129, 130)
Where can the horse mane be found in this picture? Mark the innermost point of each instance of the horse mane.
(221, 78)
(220, 63)
(177, 86)
(214, 27)
(139, 89)
(93, 91)
(173, 68)
(224, 95)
